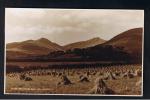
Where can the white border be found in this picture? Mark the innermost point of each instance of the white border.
(141, 95)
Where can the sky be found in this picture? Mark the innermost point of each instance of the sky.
(64, 26)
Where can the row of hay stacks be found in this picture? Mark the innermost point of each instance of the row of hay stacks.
(100, 86)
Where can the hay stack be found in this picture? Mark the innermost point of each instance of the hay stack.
(84, 79)
(64, 80)
(128, 75)
(28, 79)
(100, 88)
(109, 76)
(138, 73)
(60, 74)
(88, 73)
(125, 75)
(117, 73)
(112, 76)
(80, 76)
(100, 74)
(24, 77)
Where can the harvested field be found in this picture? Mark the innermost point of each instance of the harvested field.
(45, 81)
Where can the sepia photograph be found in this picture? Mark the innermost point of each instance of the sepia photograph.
(89, 52)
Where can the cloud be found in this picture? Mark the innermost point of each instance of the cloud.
(65, 26)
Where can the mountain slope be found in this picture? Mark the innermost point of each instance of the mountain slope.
(33, 47)
(130, 40)
(126, 46)
(84, 44)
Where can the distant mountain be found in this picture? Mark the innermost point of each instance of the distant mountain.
(41, 46)
(126, 45)
(130, 40)
(84, 44)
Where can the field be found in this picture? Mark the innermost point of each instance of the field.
(122, 79)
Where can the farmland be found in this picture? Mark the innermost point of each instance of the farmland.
(122, 79)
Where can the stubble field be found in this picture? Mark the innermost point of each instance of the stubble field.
(121, 79)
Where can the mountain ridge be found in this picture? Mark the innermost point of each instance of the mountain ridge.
(129, 41)
(40, 46)
(84, 44)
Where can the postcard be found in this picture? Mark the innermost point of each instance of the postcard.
(90, 52)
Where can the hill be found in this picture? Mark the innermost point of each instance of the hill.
(41, 46)
(130, 40)
(128, 43)
(84, 44)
